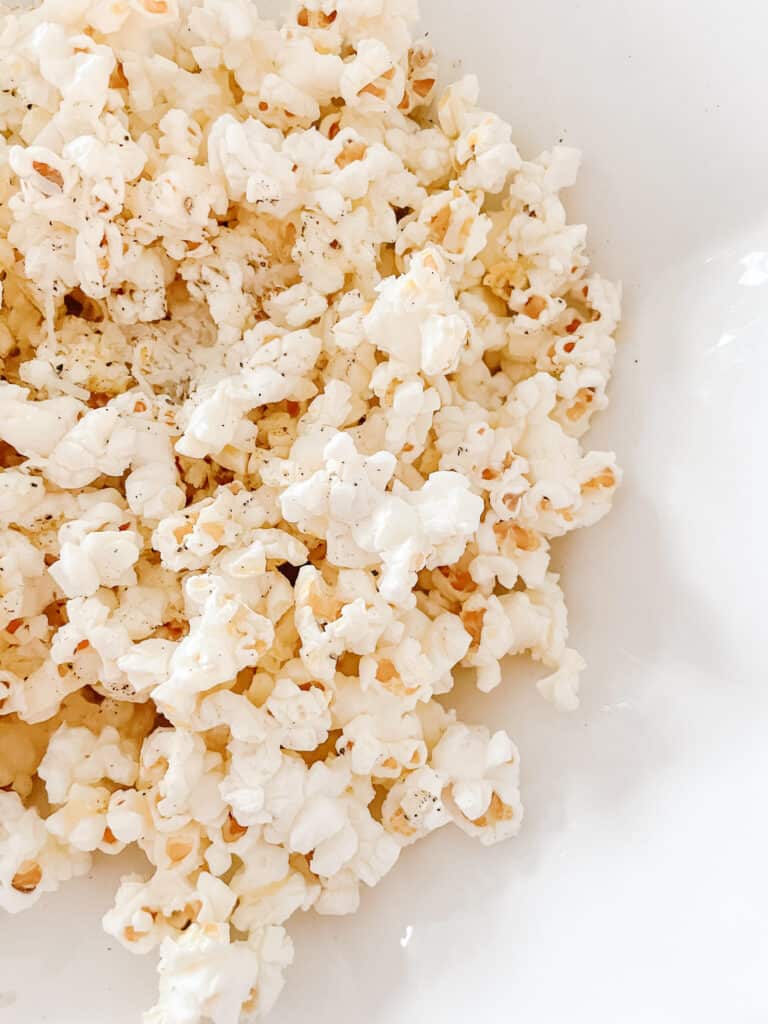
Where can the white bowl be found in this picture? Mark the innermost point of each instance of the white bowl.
(637, 892)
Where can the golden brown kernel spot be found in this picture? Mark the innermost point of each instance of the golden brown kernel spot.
(349, 664)
(28, 877)
(534, 307)
(352, 151)
(49, 173)
(400, 824)
(300, 863)
(182, 531)
(108, 837)
(181, 918)
(232, 830)
(397, 687)
(440, 224)
(525, 539)
(83, 645)
(497, 811)
(584, 397)
(372, 90)
(459, 579)
(424, 87)
(573, 326)
(176, 629)
(13, 625)
(178, 849)
(117, 79)
(604, 479)
(318, 552)
(312, 684)
(385, 671)
(252, 1002)
(214, 530)
(473, 623)
(155, 6)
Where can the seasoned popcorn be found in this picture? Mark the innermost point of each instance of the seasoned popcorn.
(297, 356)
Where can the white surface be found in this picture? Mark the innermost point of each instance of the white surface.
(637, 892)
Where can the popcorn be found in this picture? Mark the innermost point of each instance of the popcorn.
(90, 557)
(303, 714)
(32, 862)
(78, 756)
(203, 975)
(247, 156)
(34, 428)
(269, 890)
(273, 373)
(416, 319)
(225, 636)
(383, 741)
(148, 911)
(483, 795)
(298, 359)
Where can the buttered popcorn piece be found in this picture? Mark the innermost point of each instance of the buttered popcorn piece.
(297, 356)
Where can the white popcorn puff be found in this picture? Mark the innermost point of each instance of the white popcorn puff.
(147, 911)
(186, 777)
(414, 806)
(81, 822)
(205, 976)
(91, 556)
(482, 771)
(262, 786)
(562, 687)
(273, 373)
(248, 157)
(303, 715)
(32, 862)
(298, 358)
(24, 591)
(78, 756)
(34, 428)
(416, 319)
(269, 890)
(225, 636)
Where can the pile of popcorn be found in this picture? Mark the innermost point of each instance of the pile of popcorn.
(296, 354)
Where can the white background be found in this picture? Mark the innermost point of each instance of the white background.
(637, 892)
